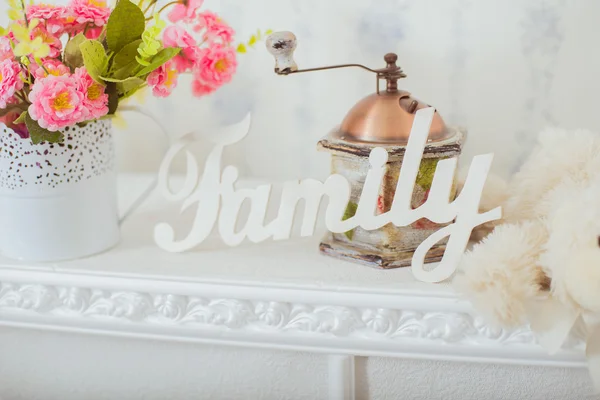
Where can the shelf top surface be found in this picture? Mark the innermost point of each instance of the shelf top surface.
(295, 263)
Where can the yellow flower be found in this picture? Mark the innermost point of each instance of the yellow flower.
(15, 12)
(26, 46)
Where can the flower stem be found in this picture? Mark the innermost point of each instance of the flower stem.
(24, 13)
(152, 2)
(167, 5)
(22, 96)
(102, 34)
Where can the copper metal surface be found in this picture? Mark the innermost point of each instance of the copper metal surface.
(387, 118)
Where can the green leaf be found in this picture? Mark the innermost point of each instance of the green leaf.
(18, 108)
(113, 97)
(116, 80)
(161, 58)
(125, 25)
(124, 62)
(39, 134)
(141, 61)
(349, 213)
(21, 118)
(73, 56)
(241, 48)
(94, 58)
(127, 87)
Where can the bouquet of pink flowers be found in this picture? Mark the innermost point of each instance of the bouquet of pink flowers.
(61, 66)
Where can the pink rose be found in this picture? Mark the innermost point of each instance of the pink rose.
(5, 49)
(54, 67)
(52, 16)
(216, 65)
(175, 36)
(95, 101)
(94, 11)
(56, 102)
(185, 11)
(214, 27)
(163, 79)
(199, 88)
(222, 31)
(10, 81)
(206, 20)
(93, 33)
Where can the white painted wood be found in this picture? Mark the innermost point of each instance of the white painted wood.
(341, 378)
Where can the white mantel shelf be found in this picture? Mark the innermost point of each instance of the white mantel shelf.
(278, 295)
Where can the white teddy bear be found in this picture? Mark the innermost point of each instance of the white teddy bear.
(549, 237)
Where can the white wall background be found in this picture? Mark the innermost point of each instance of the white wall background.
(505, 69)
(63, 366)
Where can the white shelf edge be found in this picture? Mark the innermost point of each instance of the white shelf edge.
(344, 322)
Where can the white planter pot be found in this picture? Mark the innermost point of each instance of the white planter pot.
(58, 201)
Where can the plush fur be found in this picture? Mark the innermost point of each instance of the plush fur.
(549, 233)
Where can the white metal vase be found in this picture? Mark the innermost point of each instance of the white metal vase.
(58, 201)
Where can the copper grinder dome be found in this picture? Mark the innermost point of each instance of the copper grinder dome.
(387, 116)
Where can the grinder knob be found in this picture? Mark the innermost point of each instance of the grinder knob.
(282, 45)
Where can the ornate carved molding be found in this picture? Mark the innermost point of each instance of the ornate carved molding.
(269, 317)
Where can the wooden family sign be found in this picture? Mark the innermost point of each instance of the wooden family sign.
(218, 202)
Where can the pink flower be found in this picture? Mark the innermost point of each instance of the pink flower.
(163, 79)
(93, 33)
(52, 16)
(207, 20)
(71, 26)
(10, 81)
(214, 26)
(56, 102)
(185, 11)
(216, 65)
(5, 49)
(95, 101)
(175, 36)
(50, 39)
(94, 11)
(20, 129)
(182, 62)
(201, 89)
(222, 31)
(54, 67)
